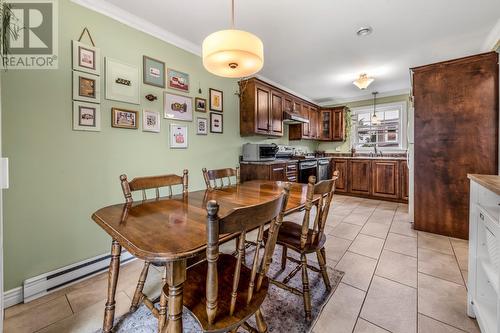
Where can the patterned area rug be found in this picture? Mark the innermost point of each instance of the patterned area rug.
(282, 310)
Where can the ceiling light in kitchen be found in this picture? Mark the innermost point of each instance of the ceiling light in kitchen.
(363, 81)
(364, 31)
(375, 120)
(232, 53)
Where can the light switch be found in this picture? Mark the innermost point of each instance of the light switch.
(4, 173)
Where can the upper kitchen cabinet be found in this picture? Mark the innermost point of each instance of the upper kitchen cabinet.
(332, 124)
(261, 109)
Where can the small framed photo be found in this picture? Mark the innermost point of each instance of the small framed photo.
(178, 136)
(153, 72)
(86, 116)
(201, 126)
(177, 107)
(178, 80)
(216, 123)
(86, 58)
(216, 100)
(86, 87)
(200, 104)
(122, 118)
(150, 121)
(122, 81)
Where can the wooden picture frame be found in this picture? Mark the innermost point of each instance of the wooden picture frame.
(216, 100)
(151, 121)
(201, 126)
(86, 58)
(153, 72)
(122, 81)
(86, 116)
(200, 104)
(178, 136)
(122, 118)
(178, 107)
(216, 123)
(177, 80)
(86, 87)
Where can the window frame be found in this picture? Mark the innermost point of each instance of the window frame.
(403, 126)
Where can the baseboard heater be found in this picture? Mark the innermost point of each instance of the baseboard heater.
(45, 283)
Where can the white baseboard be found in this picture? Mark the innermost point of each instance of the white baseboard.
(46, 283)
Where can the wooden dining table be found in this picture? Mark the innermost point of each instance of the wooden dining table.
(171, 230)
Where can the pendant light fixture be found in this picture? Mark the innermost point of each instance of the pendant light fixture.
(375, 120)
(363, 81)
(232, 53)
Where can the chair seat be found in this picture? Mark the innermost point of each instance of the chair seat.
(195, 290)
(289, 236)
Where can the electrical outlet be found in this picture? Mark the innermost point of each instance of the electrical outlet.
(337, 149)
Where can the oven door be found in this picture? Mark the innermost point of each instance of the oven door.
(306, 169)
(323, 170)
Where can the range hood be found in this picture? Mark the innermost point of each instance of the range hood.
(293, 117)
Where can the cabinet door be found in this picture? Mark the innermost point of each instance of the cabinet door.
(276, 113)
(341, 167)
(385, 179)
(359, 176)
(291, 172)
(278, 172)
(313, 127)
(263, 109)
(404, 179)
(325, 125)
(305, 126)
(338, 124)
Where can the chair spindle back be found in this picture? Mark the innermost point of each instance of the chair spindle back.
(215, 178)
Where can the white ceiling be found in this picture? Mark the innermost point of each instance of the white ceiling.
(311, 46)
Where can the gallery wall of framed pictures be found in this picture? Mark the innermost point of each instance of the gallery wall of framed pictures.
(121, 84)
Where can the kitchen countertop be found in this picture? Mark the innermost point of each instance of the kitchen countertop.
(397, 158)
(278, 161)
(491, 182)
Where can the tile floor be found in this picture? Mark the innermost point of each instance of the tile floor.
(396, 280)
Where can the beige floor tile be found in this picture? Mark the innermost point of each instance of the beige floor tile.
(401, 244)
(391, 305)
(428, 325)
(461, 250)
(335, 247)
(398, 267)
(38, 317)
(356, 218)
(363, 326)
(358, 270)
(434, 242)
(367, 245)
(334, 220)
(401, 217)
(346, 231)
(341, 312)
(403, 229)
(439, 265)
(465, 276)
(375, 229)
(445, 301)
(386, 220)
(90, 319)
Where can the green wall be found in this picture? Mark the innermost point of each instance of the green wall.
(60, 176)
(345, 147)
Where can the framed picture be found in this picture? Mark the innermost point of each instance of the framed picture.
(150, 121)
(86, 58)
(122, 81)
(122, 118)
(201, 126)
(216, 123)
(86, 87)
(200, 104)
(86, 116)
(178, 136)
(216, 100)
(153, 72)
(178, 80)
(177, 107)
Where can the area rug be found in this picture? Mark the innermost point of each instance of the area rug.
(282, 310)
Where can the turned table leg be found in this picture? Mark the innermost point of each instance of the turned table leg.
(162, 313)
(114, 269)
(176, 275)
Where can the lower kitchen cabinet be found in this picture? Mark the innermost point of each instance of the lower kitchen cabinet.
(341, 183)
(385, 179)
(277, 172)
(359, 175)
(269, 171)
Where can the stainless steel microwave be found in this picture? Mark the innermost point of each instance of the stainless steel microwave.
(254, 152)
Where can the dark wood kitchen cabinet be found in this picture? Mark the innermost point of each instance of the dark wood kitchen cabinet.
(325, 125)
(277, 172)
(385, 179)
(360, 176)
(332, 124)
(313, 123)
(261, 109)
(269, 171)
(340, 166)
(403, 179)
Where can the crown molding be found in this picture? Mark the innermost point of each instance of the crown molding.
(492, 41)
(140, 24)
(277, 85)
(337, 101)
